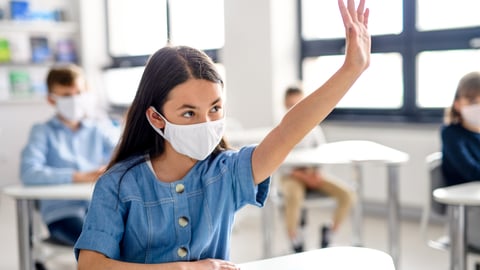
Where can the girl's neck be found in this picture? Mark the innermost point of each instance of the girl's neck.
(171, 166)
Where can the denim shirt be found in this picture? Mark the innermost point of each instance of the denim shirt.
(54, 152)
(144, 220)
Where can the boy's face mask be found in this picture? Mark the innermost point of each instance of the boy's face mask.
(471, 115)
(196, 141)
(72, 108)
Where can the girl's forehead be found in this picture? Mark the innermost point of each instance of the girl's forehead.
(195, 90)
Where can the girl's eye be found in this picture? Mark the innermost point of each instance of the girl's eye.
(188, 114)
(215, 108)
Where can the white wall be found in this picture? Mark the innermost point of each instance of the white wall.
(16, 119)
(260, 56)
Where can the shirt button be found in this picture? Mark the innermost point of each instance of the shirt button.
(179, 188)
(182, 252)
(183, 221)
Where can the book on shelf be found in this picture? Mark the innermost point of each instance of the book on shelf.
(20, 51)
(4, 50)
(65, 51)
(20, 85)
(40, 49)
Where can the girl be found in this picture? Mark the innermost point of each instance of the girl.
(171, 191)
(461, 144)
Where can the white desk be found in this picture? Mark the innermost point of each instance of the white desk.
(338, 258)
(354, 153)
(25, 197)
(457, 198)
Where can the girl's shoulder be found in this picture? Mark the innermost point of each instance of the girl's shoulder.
(243, 152)
(119, 175)
(123, 167)
(453, 129)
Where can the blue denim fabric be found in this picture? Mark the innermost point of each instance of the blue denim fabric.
(141, 219)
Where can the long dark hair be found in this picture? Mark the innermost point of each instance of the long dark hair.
(165, 69)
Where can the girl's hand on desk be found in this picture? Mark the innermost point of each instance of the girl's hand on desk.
(213, 264)
(89, 259)
(92, 176)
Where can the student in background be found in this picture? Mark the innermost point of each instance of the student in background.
(299, 180)
(461, 145)
(169, 196)
(68, 148)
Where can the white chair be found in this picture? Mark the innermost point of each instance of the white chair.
(45, 249)
(313, 200)
(433, 209)
(437, 211)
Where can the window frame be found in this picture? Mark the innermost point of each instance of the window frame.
(409, 43)
(141, 60)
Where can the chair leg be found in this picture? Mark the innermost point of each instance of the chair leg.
(39, 266)
(303, 218)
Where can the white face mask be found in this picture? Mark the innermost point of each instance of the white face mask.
(72, 108)
(471, 115)
(196, 141)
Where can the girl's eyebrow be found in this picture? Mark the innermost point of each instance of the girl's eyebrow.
(189, 106)
(186, 106)
(216, 100)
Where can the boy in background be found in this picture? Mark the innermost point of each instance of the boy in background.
(71, 147)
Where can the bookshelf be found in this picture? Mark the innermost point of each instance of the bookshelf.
(32, 27)
(30, 46)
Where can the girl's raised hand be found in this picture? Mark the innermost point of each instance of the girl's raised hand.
(358, 41)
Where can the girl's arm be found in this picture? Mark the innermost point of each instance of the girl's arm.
(91, 260)
(309, 112)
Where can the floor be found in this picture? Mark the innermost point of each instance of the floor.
(247, 245)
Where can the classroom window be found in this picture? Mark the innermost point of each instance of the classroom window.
(418, 56)
(438, 75)
(136, 29)
(318, 14)
(444, 14)
(197, 23)
(368, 91)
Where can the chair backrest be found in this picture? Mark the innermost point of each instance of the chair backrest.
(437, 180)
(431, 207)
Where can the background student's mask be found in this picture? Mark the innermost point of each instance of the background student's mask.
(196, 141)
(471, 115)
(73, 108)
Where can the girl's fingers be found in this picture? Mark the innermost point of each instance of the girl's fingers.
(351, 10)
(365, 17)
(347, 20)
(360, 11)
(351, 16)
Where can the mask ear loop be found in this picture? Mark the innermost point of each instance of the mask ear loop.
(153, 126)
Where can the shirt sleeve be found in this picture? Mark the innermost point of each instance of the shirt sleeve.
(246, 192)
(34, 169)
(104, 224)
